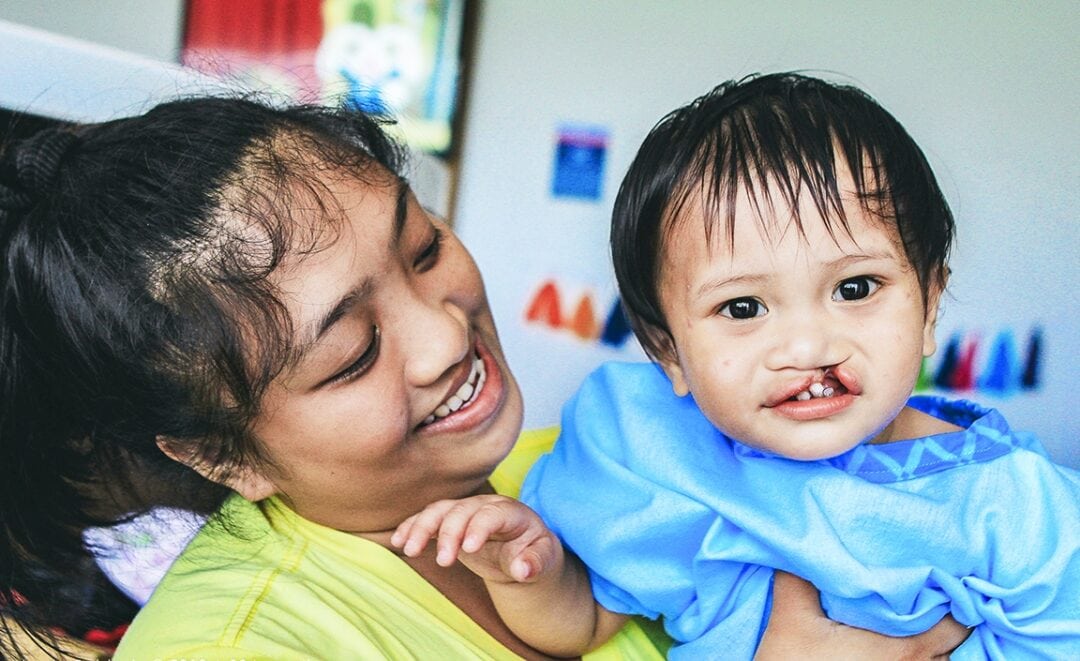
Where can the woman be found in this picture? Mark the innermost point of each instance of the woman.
(222, 298)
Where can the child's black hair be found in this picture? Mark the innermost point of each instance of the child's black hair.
(135, 256)
(785, 132)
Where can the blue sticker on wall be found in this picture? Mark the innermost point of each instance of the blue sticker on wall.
(580, 153)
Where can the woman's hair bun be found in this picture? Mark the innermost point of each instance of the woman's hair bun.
(29, 167)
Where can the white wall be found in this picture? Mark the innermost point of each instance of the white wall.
(150, 28)
(989, 89)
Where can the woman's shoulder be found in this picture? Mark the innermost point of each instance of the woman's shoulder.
(531, 445)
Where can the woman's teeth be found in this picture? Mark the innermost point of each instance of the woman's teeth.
(465, 395)
(815, 391)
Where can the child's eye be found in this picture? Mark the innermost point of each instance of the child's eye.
(854, 289)
(363, 363)
(743, 308)
(429, 256)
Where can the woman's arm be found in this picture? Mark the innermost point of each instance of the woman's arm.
(798, 628)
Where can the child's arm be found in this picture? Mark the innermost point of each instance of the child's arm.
(541, 592)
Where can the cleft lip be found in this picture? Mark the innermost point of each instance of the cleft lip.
(787, 392)
(847, 378)
(839, 377)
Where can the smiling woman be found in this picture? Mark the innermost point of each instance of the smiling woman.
(242, 310)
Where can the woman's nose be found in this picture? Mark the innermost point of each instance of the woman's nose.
(439, 341)
(806, 341)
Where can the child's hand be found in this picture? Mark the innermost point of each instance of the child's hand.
(500, 539)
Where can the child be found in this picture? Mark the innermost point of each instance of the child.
(781, 247)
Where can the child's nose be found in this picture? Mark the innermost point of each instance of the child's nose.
(805, 341)
(439, 340)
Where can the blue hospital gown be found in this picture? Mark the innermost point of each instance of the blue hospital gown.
(675, 519)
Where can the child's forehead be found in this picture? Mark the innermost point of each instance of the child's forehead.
(759, 220)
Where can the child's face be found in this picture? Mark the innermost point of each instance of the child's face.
(403, 396)
(758, 323)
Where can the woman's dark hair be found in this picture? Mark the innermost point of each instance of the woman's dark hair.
(135, 260)
(784, 132)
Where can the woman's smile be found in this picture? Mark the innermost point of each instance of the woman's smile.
(476, 400)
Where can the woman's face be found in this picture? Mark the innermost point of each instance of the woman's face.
(401, 395)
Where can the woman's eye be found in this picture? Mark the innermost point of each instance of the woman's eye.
(363, 363)
(429, 256)
(743, 308)
(854, 289)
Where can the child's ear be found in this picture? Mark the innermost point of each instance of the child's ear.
(246, 481)
(933, 299)
(674, 372)
(667, 356)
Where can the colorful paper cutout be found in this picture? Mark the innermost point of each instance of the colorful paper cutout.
(545, 306)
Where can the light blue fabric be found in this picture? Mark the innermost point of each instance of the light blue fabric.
(675, 519)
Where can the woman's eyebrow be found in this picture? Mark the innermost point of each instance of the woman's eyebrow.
(362, 291)
(355, 296)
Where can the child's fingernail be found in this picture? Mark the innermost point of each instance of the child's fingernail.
(443, 558)
(470, 545)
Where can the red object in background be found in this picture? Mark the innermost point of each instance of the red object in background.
(545, 306)
(265, 27)
(106, 639)
(244, 39)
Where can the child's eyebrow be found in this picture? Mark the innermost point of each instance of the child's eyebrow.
(857, 258)
(738, 279)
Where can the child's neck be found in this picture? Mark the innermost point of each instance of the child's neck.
(912, 423)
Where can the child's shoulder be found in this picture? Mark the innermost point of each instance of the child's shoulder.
(618, 389)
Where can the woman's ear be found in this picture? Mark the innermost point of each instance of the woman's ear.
(246, 481)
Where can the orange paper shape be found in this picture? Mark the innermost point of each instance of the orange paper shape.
(583, 322)
(545, 306)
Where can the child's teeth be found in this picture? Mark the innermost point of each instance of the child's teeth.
(803, 396)
(828, 392)
(816, 389)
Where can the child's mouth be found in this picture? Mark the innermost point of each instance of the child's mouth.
(828, 386)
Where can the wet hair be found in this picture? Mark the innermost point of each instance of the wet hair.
(135, 256)
(783, 132)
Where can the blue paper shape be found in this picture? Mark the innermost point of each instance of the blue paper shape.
(944, 377)
(1000, 376)
(617, 326)
(1032, 375)
(580, 154)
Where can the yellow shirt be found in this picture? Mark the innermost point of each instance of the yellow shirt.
(267, 584)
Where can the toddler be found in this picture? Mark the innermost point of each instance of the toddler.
(781, 247)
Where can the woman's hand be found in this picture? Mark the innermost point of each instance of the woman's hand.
(500, 539)
(798, 628)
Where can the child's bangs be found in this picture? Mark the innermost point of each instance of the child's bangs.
(764, 153)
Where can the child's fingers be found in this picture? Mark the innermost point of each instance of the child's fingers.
(500, 519)
(467, 526)
(525, 563)
(413, 533)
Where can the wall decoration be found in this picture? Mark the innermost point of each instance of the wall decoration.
(545, 308)
(580, 154)
(962, 367)
(395, 57)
